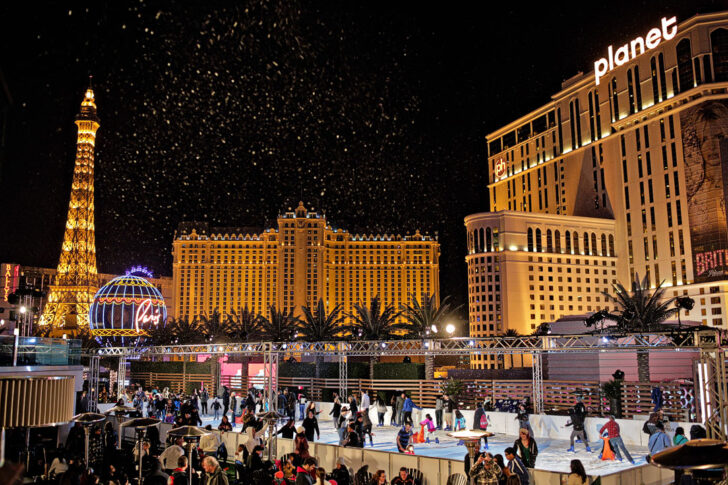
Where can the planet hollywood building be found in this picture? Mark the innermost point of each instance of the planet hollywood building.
(623, 172)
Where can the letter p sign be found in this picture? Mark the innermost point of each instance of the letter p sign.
(600, 69)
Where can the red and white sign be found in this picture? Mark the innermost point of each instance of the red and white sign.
(500, 168)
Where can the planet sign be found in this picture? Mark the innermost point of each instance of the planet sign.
(126, 308)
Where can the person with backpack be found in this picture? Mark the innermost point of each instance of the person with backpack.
(480, 421)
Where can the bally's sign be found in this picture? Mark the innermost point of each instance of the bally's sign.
(629, 51)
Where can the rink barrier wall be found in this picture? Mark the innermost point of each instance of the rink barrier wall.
(543, 425)
(437, 470)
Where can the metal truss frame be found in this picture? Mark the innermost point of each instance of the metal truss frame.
(343, 371)
(537, 376)
(656, 341)
(93, 383)
(121, 374)
(707, 341)
(270, 373)
(713, 389)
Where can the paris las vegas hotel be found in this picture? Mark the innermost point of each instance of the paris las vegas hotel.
(295, 264)
(623, 172)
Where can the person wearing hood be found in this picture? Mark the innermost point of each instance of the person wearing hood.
(156, 476)
(251, 438)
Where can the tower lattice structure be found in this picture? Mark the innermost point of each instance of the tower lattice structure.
(76, 280)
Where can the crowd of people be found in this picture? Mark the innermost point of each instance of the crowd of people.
(171, 462)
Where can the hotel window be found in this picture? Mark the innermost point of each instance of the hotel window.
(592, 126)
(674, 274)
(655, 85)
(679, 212)
(680, 242)
(615, 99)
(669, 214)
(646, 248)
(677, 184)
(630, 91)
(706, 69)
(696, 66)
(719, 43)
(661, 71)
(611, 245)
(568, 242)
(684, 66)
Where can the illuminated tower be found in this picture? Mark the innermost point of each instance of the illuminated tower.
(76, 281)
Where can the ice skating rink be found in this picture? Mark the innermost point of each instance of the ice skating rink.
(552, 454)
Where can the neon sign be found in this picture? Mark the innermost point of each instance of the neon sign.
(712, 262)
(629, 51)
(145, 314)
(7, 282)
(500, 168)
(140, 271)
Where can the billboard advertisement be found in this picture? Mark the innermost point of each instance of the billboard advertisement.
(705, 151)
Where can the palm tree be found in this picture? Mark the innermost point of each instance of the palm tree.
(161, 334)
(279, 326)
(319, 325)
(425, 320)
(244, 326)
(641, 310)
(185, 332)
(213, 327)
(373, 322)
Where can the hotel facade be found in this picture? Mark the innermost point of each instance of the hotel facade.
(622, 173)
(295, 264)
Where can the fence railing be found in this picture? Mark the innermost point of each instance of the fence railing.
(678, 399)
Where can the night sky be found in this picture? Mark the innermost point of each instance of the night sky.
(229, 112)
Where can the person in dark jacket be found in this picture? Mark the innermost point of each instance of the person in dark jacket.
(225, 400)
(255, 459)
(578, 431)
(522, 417)
(479, 422)
(353, 406)
(310, 424)
(353, 440)
(303, 472)
(340, 473)
(526, 448)
(156, 476)
(336, 410)
(288, 430)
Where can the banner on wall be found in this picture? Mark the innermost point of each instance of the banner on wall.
(705, 151)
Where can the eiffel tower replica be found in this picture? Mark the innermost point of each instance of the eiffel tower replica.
(66, 310)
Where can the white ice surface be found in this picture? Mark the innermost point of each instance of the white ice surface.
(552, 454)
